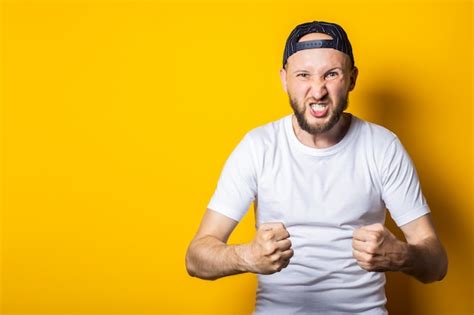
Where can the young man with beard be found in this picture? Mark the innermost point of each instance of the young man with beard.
(321, 180)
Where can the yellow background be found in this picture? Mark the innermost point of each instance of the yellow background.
(117, 117)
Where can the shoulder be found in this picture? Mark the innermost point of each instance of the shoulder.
(269, 134)
(375, 131)
(376, 136)
(382, 143)
(378, 142)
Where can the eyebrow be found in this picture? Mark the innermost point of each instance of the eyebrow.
(303, 70)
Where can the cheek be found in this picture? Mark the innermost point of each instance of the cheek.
(297, 90)
(338, 89)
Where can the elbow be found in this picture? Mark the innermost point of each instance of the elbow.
(192, 267)
(438, 277)
(195, 272)
(443, 267)
(441, 270)
(441, 277)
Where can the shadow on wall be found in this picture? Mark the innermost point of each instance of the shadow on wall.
(391, 108)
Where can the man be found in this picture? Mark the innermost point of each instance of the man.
(321, 180)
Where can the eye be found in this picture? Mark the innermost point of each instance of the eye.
(331, 75)
(303, 75)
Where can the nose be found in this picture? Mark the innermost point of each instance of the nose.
(317, 89)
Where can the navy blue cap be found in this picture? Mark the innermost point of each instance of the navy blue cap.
(339, 40)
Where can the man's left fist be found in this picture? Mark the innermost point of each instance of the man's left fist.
(376, 249)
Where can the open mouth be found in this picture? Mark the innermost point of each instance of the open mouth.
(319, 110)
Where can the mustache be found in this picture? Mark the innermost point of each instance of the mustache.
(320, 100)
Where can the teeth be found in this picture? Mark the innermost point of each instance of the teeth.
(318, 106)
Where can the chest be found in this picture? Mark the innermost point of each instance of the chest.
(335, 191)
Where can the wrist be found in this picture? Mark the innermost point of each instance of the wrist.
(242, 254)
(401, 257)
(405, 257)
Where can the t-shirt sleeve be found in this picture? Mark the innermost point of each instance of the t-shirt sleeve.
(401, 187)
(237, 185)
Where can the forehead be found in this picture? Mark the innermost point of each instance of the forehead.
(317, 57)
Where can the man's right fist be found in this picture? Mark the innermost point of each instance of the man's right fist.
(270, 251)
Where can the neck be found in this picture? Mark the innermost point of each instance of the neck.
(326, 139)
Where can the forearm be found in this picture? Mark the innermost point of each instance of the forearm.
(426, 261)
(209, 258)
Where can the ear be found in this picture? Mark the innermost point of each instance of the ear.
(283, 79)
(354, 74)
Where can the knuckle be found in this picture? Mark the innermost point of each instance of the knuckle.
(273, 267)
(355, 245)
(274, 258)
(268, 235)
(354, 254)
(373, 236)
(379, 233)
(270, 248)
(282, 264)
(372, 249)
(379, 226)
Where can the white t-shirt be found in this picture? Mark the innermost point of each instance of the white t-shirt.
(321, 196)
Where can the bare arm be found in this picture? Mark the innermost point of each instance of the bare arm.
(209, 257)
(426, 258)
(422, 256)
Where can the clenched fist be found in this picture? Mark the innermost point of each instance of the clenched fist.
(270, 251)
(376, 249)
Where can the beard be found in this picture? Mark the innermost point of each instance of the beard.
(334, 116)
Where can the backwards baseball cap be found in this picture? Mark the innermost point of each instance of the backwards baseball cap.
(339, 39)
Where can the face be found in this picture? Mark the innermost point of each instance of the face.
(318, 82)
